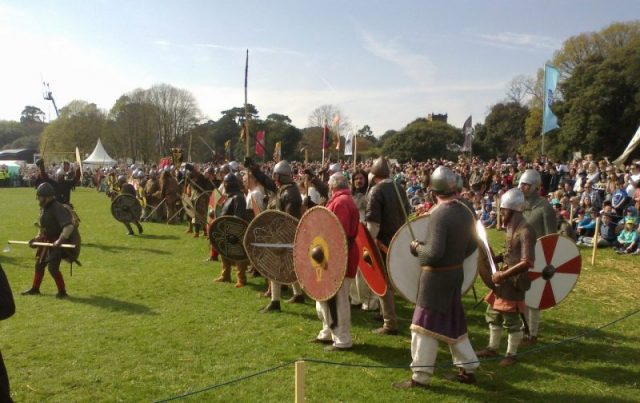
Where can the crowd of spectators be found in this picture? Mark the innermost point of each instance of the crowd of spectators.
(581, 191)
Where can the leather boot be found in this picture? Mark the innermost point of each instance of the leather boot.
(274, 306)
(296, 299)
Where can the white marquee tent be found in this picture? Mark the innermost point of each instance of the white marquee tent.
(99, 156)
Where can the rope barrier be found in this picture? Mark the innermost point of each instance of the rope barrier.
(242, 378)
(357, 365)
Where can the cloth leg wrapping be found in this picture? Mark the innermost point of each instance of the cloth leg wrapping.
(389, 310)
(424, 350)
(513, 342)
(322, 310)
(464, 356)
(275, 291)
(495, 332)
(533, 320)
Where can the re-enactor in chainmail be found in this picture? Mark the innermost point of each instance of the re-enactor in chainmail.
(540, 215)
(506, 298)
(439, 315)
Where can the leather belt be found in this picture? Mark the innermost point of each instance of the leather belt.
(442, 269)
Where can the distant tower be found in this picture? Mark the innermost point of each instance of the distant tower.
(435, 117)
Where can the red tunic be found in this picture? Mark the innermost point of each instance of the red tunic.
(342, 205)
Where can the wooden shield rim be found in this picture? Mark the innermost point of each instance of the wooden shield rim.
(376, 250)
(475, 275)
(233, 218)
(245, 241)
(394, 239)
(345, 249)
(579, 255)
(125, 196)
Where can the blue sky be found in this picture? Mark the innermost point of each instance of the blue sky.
(383, 63)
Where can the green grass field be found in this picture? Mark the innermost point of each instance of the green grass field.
(145, 322)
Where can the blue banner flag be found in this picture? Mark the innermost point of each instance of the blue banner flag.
(549, 120)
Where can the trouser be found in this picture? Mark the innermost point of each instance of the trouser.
(5, 394)
(510, 321)
(424, 350)
(276, 290)
(389, 310)
(361, 293)
(533, 320)
(341, 331)
(128, 225)
(241, 266)
(51, 260)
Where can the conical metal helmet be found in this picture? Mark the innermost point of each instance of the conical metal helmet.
(444, 181)
(282, 168)
(380, 168)
(513, 199)
(531, 177)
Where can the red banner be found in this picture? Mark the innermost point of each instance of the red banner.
(260, 143)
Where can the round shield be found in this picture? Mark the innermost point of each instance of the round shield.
(226, 235)
(555, 271)
(269, 245)
(370, 261)
(320, 253)
(404, 269)
(126, 208)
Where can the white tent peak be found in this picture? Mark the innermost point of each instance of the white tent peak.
(99, 156)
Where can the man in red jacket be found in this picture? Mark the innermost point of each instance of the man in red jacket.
(342, 205)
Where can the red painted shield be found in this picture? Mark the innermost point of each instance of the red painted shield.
(370, 261)
(320, 253)
(555, 272)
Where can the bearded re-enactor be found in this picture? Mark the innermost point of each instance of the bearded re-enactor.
(506, 299)
(439, 315)
(234, 205)
(170, 193)
(63, 183)
(384, 215)
(288, 200)
(56, 226)
(540, 215)
(336, 329)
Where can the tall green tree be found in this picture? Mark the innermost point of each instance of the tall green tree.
(80, 125)
(503, 130)
(422, 139)
(601, 107)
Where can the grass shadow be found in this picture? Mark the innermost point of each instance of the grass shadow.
(120, 248)
(157, 236)
(113, 305)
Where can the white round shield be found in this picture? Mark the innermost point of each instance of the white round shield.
(555, 272)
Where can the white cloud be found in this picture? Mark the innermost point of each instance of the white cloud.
(416, 66)
(511, 40)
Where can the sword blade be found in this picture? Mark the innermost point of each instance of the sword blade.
(482, 235)
(273, 245)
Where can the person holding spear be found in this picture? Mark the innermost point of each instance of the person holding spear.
(56, 227)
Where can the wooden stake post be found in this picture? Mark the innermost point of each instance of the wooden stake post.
(595, 243)
(299, 391)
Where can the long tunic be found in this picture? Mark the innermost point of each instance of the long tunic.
(439, 312)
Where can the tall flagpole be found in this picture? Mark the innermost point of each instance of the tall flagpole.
(246, 112)
(544, 85)
(355, 151)
(324, 139)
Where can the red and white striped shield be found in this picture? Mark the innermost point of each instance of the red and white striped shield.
(555, 272)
